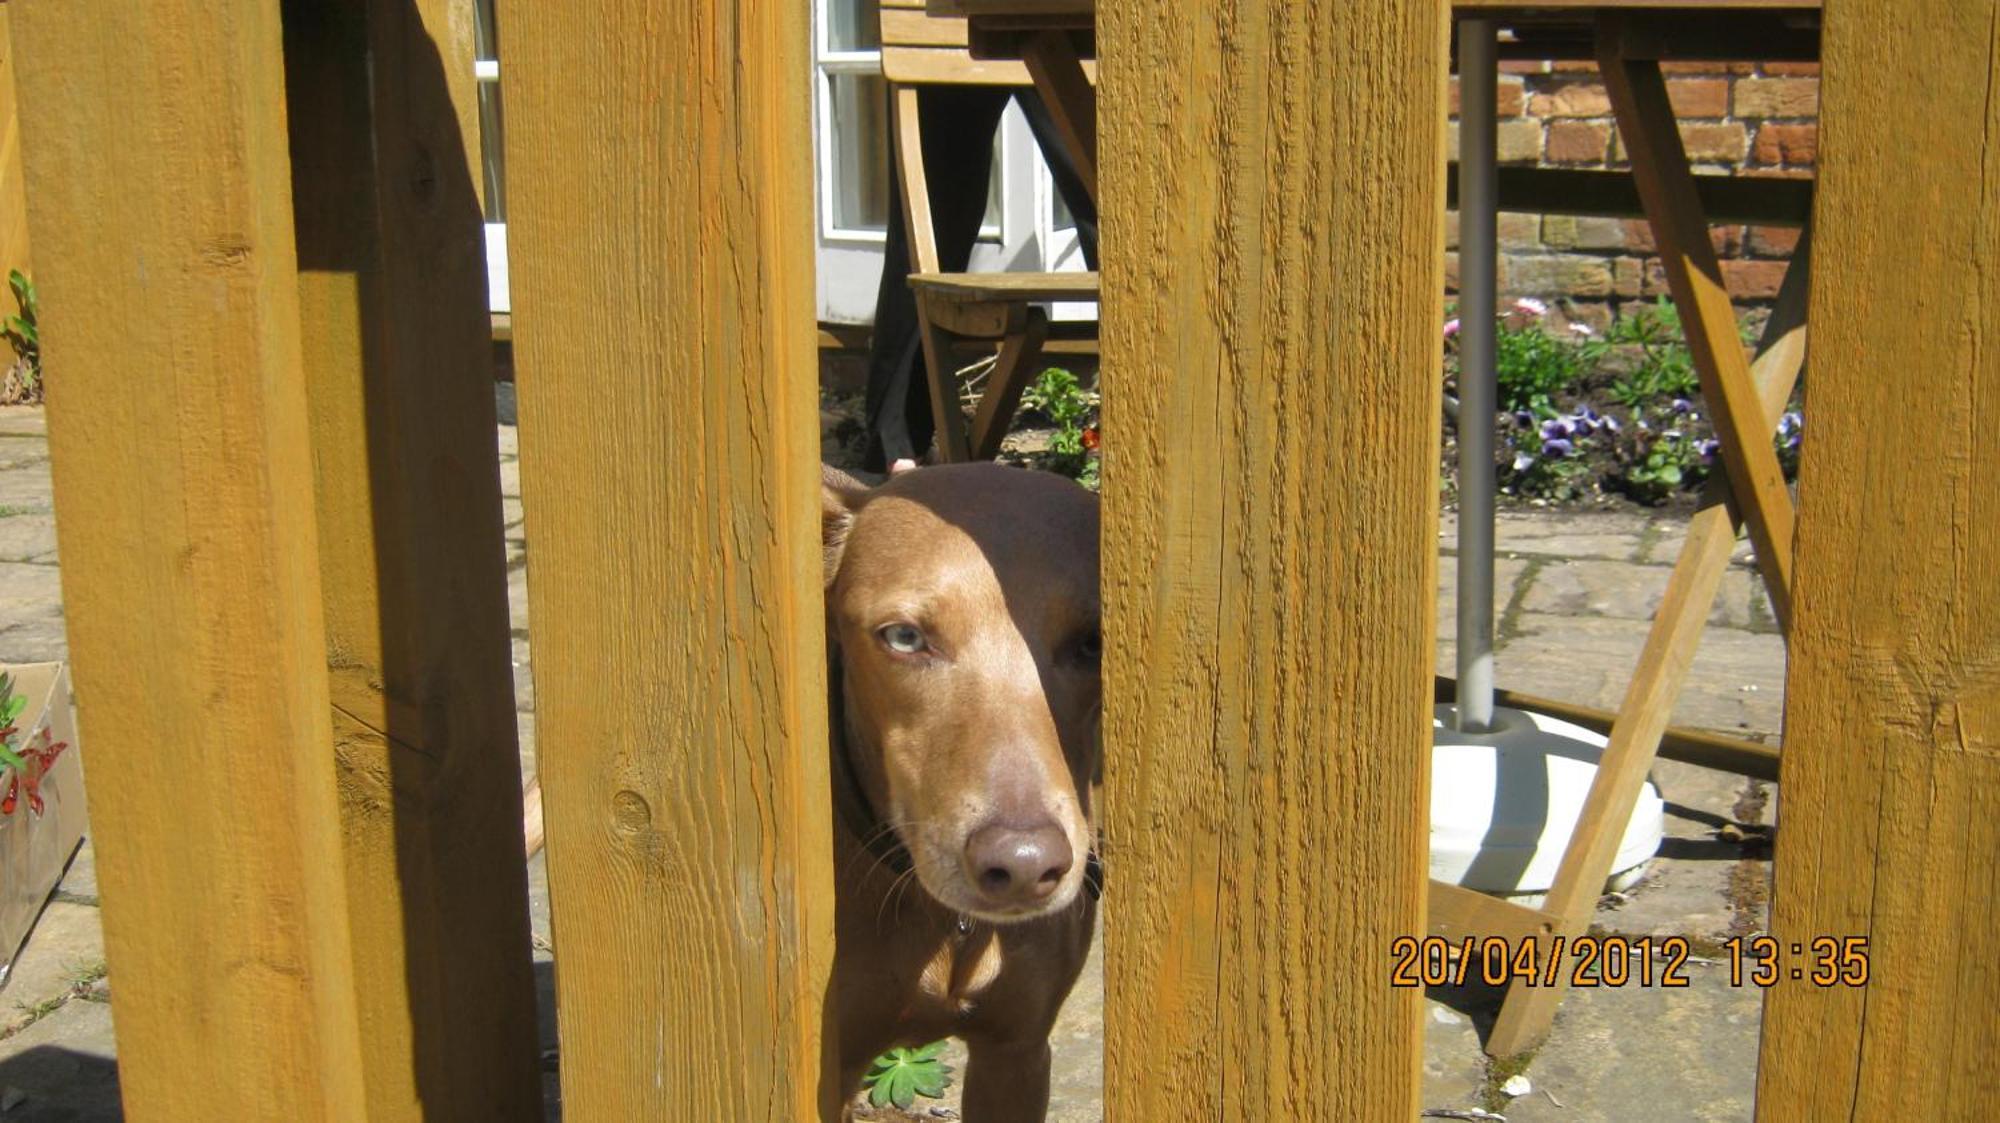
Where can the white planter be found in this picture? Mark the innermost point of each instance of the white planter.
(1504, 803)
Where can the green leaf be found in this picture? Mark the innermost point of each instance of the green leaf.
(12, 708)
(927, 1052)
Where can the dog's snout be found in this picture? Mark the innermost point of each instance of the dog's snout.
(1014, 866)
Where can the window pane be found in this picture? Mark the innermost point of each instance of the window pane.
(990, 221)
(853, 25)
(858, 109)
(1061, 219)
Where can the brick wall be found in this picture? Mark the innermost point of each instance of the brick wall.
(1735, 119)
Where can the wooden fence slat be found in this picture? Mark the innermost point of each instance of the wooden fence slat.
(13, 187)
(160, 205)
(1271, 404)
(659, 164)
(1890, 825)
(399, 369)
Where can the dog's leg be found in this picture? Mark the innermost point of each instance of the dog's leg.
(1006, 1083)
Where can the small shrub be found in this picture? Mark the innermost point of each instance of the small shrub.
(23, 382)
(1531, 364)
(1072, 451)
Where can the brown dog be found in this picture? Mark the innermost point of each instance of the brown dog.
(964, 695)
(962, 627)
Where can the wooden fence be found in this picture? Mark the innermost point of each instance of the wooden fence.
(258, 233)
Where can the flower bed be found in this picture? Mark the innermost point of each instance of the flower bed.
(1590, 417)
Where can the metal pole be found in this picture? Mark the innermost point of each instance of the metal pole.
(1478, 79)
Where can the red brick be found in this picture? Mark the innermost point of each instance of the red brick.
(1773, 241)
(1577, 142)
(1787, 144)
(1562, 231)
(1570, 99)
(1523, 66)
(1625, 276)
(1557, 274)
(1638, 235)
(1509, 97)
(1720, 142)
(1792, 69)
(1727, 241)
(1753, 280)
(1776, 97)
(1517, 141)
(1706, 142)
(1573, 66)
(1699, 97)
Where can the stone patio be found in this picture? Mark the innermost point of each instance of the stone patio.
(1576, 590)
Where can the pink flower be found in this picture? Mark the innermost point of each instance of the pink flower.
(1531, 306)
(1451, 327)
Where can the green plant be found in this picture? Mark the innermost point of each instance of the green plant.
(1057, 395)
(1664, 368)
(900, 1075)
(22, 332)
(1531, 364)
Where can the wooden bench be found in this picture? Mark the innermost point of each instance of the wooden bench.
(996, 309)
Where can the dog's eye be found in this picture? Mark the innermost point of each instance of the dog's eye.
(904, 639)
(1090, 646)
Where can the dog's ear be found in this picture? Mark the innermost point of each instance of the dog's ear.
(840, 496)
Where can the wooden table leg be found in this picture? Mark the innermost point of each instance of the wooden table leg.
(1060, 80)
(943, 381)
(1012, 369)
(1667, 188)
(1526, 1014)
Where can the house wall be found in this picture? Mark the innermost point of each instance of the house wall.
(1736, 119)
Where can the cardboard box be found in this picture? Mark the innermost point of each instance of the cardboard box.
(37, 844)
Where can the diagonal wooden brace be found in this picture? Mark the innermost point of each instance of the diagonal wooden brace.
(1527, 1013)
(1667, 188)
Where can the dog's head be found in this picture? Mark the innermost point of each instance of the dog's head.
(964, 604)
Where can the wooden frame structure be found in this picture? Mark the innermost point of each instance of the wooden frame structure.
(920, 49)
(278, 506)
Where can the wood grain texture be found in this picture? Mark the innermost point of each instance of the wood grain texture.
(659, 163)
(1890, 827)
(399, 366)
(159, 200)
(1274, 180)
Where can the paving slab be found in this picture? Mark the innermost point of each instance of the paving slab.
(63, 1068)
(17, 452)
(1507, 574)
(1633, 1052)
(28, 537)
(1632, 592)
(67, 945)
(23, 421)
(26, 490)
(1610, 535)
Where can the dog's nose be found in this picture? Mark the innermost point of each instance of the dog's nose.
(1012, 866)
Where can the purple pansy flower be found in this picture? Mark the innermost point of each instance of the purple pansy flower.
(1558, 447)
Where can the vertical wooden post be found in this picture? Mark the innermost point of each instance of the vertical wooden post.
(659, 182)
(1890, 826)
(160, 205)
(13, 187)
(399, 364)
(1273, 179)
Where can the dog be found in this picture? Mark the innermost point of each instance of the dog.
(964, 705)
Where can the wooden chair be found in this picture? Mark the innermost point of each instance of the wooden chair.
(997, 309)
